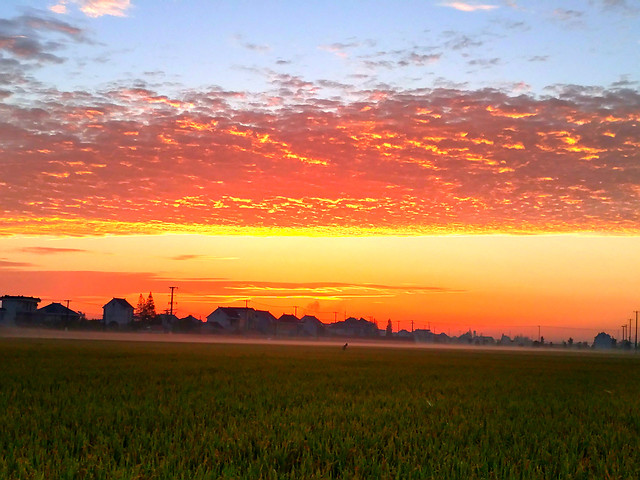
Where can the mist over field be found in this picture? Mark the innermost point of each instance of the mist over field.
(107, 409)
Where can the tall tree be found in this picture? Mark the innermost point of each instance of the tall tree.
(150, 307)
(389, 328)
(139, 312)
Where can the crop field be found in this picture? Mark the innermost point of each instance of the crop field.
(123, 410)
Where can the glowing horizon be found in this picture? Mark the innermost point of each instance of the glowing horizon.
(490, 283)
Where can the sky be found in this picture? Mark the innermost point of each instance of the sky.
(455, 164)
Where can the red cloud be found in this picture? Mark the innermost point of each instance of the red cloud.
(442, 160)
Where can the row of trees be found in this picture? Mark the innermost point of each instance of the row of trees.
(146, 309)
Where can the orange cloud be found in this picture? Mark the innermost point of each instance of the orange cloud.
(437, 161)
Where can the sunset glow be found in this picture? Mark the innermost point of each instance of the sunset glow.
(425, 171)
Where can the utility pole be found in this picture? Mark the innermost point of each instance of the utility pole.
(246, 314)
(411, 326)
(398, 322)
(624, 328)
(171, 301)
(295, 311)
(629, 331)
(636, 342)
(335, 317)
(66, 315)
(538, 333)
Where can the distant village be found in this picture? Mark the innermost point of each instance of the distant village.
(120, 315)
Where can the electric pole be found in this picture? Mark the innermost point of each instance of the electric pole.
(246, 314)
(411, 326)
(636, 342)
(538, 333)
(171, 301)
(66, 315)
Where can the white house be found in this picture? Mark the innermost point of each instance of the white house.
(352, 327)
(16, 308)
(117, 313)
(312, 326)
(263, 322)
(234, 319)
(288, 324)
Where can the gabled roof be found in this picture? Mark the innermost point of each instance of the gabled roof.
(265, 314)
(119, 301)
(310, 319)
(354, 322)
(56, 309)
(355, 326)
(234, 312)
(288, 318)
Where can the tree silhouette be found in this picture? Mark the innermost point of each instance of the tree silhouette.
(389, 328)
(146, 309)
(139, 312)
(150, 307)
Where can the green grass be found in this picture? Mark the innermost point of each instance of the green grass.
(75, 409)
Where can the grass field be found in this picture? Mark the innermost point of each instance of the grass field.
(81, 409)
